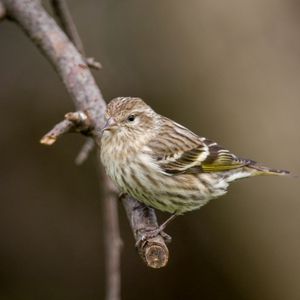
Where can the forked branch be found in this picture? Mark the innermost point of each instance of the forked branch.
(87, 98)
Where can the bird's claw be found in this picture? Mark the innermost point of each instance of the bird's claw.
(146, 234)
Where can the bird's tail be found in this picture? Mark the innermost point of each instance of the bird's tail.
(262, 170)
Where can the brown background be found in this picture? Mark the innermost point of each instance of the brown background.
(230, 71)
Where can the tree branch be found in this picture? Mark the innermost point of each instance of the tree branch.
(64, 16)
(74, 122)
(80, 84)
(62, 11)
(87, 98)
(113, 242)
(58, 130)
(142, 219)
(85, 151)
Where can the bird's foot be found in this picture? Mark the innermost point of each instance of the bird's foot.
(152, 233)
(146, 234)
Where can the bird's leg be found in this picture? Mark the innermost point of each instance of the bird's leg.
(164, 224)
(148, 234)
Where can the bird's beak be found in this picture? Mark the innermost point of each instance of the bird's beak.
(109, 124)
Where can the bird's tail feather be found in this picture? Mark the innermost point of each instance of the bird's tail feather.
(262, 170)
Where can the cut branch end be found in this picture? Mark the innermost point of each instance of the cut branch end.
(142, 218)
(74, 121)
(57, 131)
(48, 140)
(155, 255)
(92, 63)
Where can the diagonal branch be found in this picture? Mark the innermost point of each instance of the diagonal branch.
(64, 16)
(77, 78)
(142, 218)
(85, 151)
(61, 10)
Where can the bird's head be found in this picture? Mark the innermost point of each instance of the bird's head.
(129, 118)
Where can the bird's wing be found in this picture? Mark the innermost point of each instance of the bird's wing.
(177, 150)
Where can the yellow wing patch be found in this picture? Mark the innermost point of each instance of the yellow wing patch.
(223, 161)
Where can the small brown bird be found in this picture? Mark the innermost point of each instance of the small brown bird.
(165, 165)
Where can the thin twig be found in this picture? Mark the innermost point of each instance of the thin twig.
(81, 121)
(64, 16)
(86, 149)
(63, 13)
(93, 63)
(58, 130)
(74, 121)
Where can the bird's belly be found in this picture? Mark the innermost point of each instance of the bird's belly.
(173, 194)
(170, 193)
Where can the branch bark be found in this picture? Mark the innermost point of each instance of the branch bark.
(81, 86)
(61, 10)
(142, 219)
(113, 242)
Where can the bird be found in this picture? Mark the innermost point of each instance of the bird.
(165, 165)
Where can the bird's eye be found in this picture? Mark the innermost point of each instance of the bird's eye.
(131, 118)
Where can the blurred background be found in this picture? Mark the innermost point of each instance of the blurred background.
(228, 70)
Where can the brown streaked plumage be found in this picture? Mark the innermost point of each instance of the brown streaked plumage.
(162, 163)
